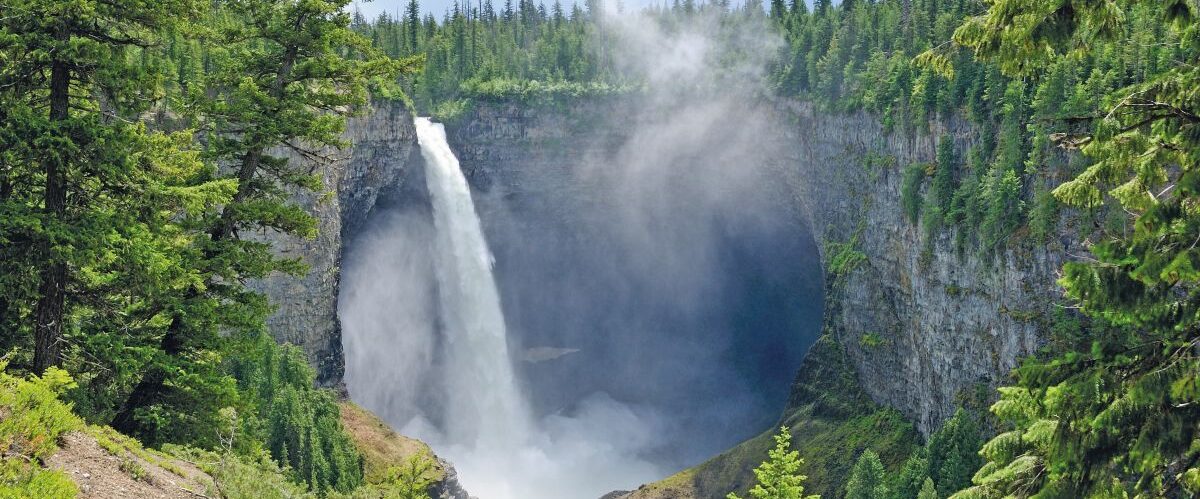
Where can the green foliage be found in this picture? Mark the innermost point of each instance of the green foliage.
(133, 468)
(928, 490)
(942, 190)
(140, 140)
(410, 480)
(953, 452)
(947, 462)
(244, 476)
(533, 53)
(844, 257)
(451, 110)
(778, 476)
(1043, 218)
(277, 75)
(19, 480)
(532, 91)
(299, 425)
(908, 483)
(89, 195)
(827, 414)
(867, 481)
(910, 191)
(1111, 412)
(871, 340)
(32, 419)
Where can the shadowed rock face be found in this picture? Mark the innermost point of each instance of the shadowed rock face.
(946, 323)
(647, 238)
(382, 141)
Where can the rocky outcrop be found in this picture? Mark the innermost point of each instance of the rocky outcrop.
(381, 142)
(383, 451)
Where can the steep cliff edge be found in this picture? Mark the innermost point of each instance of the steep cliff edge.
(381, 142)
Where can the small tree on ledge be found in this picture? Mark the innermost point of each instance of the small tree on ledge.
(778, 476)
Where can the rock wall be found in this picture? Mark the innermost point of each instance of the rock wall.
(924, 326)
(382, 140)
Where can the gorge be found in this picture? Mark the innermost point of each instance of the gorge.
(885, 249)
(950, 329)
(663, 261)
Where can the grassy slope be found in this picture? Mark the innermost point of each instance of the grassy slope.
(47, 451)
(832, 421)
(381, 447)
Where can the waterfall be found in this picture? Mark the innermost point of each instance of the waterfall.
(426, 348)
(484, 405)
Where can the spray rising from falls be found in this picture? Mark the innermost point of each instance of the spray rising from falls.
(484, 406)
(426, 347)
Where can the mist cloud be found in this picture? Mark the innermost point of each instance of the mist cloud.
(658, 293)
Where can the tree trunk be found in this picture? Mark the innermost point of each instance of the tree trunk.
(48, 314)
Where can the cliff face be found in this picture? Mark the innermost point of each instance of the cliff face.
(923, 326)
(381, 142)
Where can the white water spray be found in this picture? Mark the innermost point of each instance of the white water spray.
(436, 365)
(484, 406)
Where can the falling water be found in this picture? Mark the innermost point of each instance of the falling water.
(484, 407)
(426, 348)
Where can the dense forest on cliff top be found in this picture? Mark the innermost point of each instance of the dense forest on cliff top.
(139, 140)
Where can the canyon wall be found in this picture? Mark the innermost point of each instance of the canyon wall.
(925, 326)
(381, 142)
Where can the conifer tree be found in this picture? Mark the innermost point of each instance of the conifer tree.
(778, 477)
(953, 452)
(867, 480)
(928, 491)
(61, 56)
(913, 474)
(284, 76)
(1116, 413)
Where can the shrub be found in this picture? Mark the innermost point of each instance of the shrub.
(32, 419)
(243, 477)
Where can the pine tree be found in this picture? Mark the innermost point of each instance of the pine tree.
(778, 476)
(928, 491)
(1114, 414)
(943, 178)
(953, 449)
(56, 46)
(309, 71)
(867, 480)
(913, 474)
